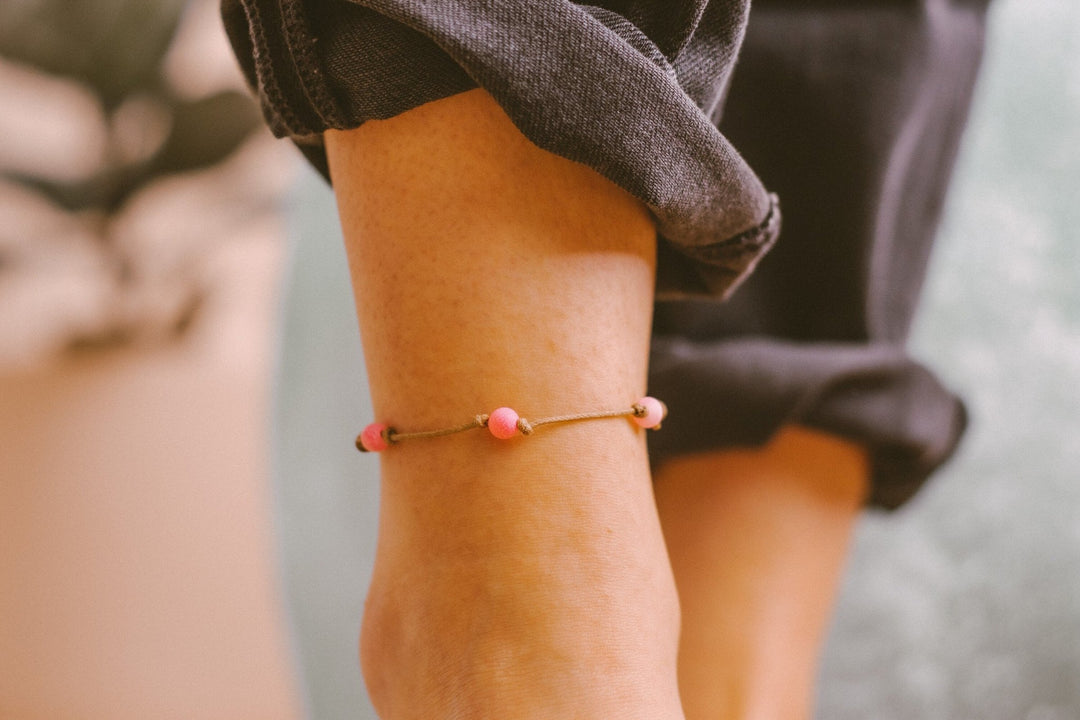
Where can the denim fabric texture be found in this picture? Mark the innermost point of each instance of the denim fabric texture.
(852, 110)
(854, 113)
(629, 89)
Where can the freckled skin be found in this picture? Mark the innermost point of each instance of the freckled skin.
(529, 577)
(523, 577)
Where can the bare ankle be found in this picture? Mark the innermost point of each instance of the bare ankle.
(454, 659)
(537, 597)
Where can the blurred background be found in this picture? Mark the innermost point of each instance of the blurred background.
(141, 245)
(185, 529)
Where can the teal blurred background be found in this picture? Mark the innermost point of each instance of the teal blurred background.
(964, 605)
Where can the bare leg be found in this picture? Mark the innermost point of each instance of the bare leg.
(757, 541)
(520, 578)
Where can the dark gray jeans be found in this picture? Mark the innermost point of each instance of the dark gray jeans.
(851, 111)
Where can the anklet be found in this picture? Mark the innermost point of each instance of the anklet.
(504, 423)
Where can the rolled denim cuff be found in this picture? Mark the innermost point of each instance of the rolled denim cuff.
(635, 99)
(737, 393)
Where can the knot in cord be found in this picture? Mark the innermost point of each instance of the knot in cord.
(504, 423)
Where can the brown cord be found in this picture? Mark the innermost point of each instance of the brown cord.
(525, 427)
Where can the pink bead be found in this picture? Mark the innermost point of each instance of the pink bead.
(655, 411)
(372, 437)
(503, 423)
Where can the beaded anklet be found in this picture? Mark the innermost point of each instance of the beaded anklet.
(504, 423)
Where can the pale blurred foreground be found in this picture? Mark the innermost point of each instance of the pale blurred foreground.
(140, 248)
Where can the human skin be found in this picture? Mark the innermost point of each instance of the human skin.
(530, 577)
(523, 577)
(757, 539)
